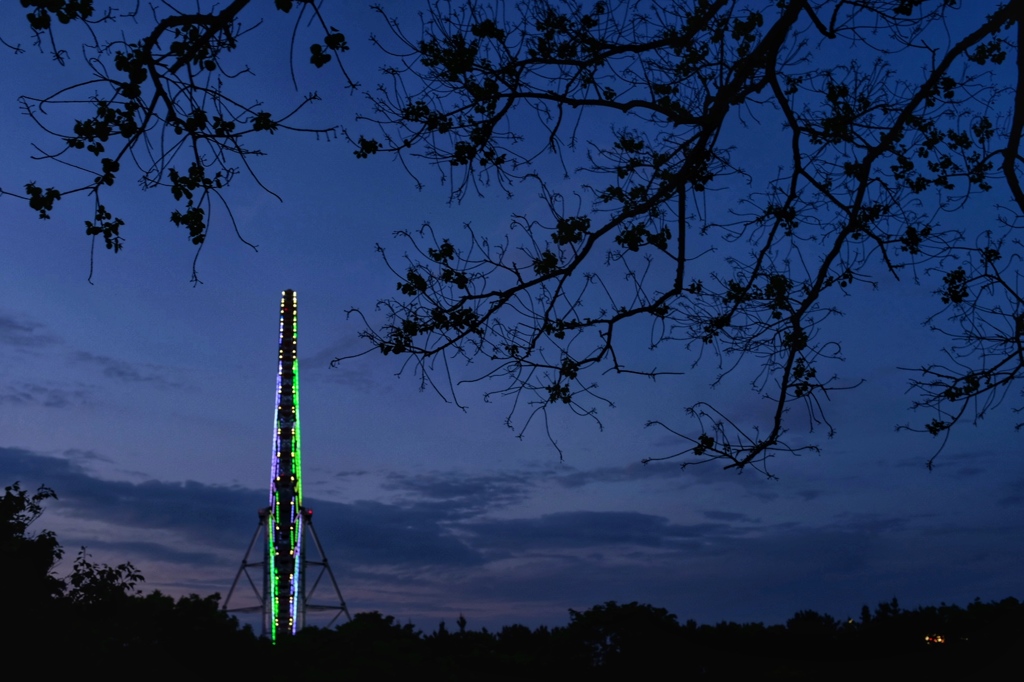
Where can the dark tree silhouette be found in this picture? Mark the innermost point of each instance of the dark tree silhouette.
(93, 585)
(172, 102)
(28, 559)
(95, 614)
(625, 638)
(719, 177)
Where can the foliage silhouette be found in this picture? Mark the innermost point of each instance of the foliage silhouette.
(625, 639)
(170, 103)
(27, 560)
(97, 620)
(716, 179)
(666, 222)
(95, 614)
(93, 585)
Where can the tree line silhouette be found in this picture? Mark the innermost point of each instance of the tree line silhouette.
(96, 618)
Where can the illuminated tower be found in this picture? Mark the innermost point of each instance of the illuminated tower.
(283, 584)
(286, 526)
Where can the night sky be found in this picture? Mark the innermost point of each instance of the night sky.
(147, 404)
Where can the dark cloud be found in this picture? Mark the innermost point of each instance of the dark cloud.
(120, 370)
(351, 474)
(87, 455)
(21, 464)
(359, 379)
(354, 373)
(1015, 498)
(728, 516)
(364, 532)
(206, 513)
(434, 526)
(367, 532)
(631, 472)
(436, 551)
(466, 495)
(574, 530)
(462, 495)
(20, 332)
(694, 473)
(753, 576)
(154, 552)
(43, 396)
(955, 464)
(870, 523)
(963, 464)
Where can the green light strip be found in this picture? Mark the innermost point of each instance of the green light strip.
(285, 562)
(297, 446)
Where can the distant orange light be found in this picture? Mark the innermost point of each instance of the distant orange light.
(934, 639)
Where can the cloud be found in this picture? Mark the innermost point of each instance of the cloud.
(354, 373)
(364, 532)
(120, 370)
(460, 495)
(368, 532)
(201, 512)
(351, 474)
(1015, 498)
(631, 472)
(586, 529)
(436, 549)
(966, 463)
(87, 455)
(437, 524)
(44, 396)
(23, 333)
(717, 572)
(728, 516)
(158, 552)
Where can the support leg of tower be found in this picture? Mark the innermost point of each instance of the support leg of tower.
(325, 569)
(260, 594)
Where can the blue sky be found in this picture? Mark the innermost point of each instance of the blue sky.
(146, 403)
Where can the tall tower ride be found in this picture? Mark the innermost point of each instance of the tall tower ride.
(284, 532)
(287, 526)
